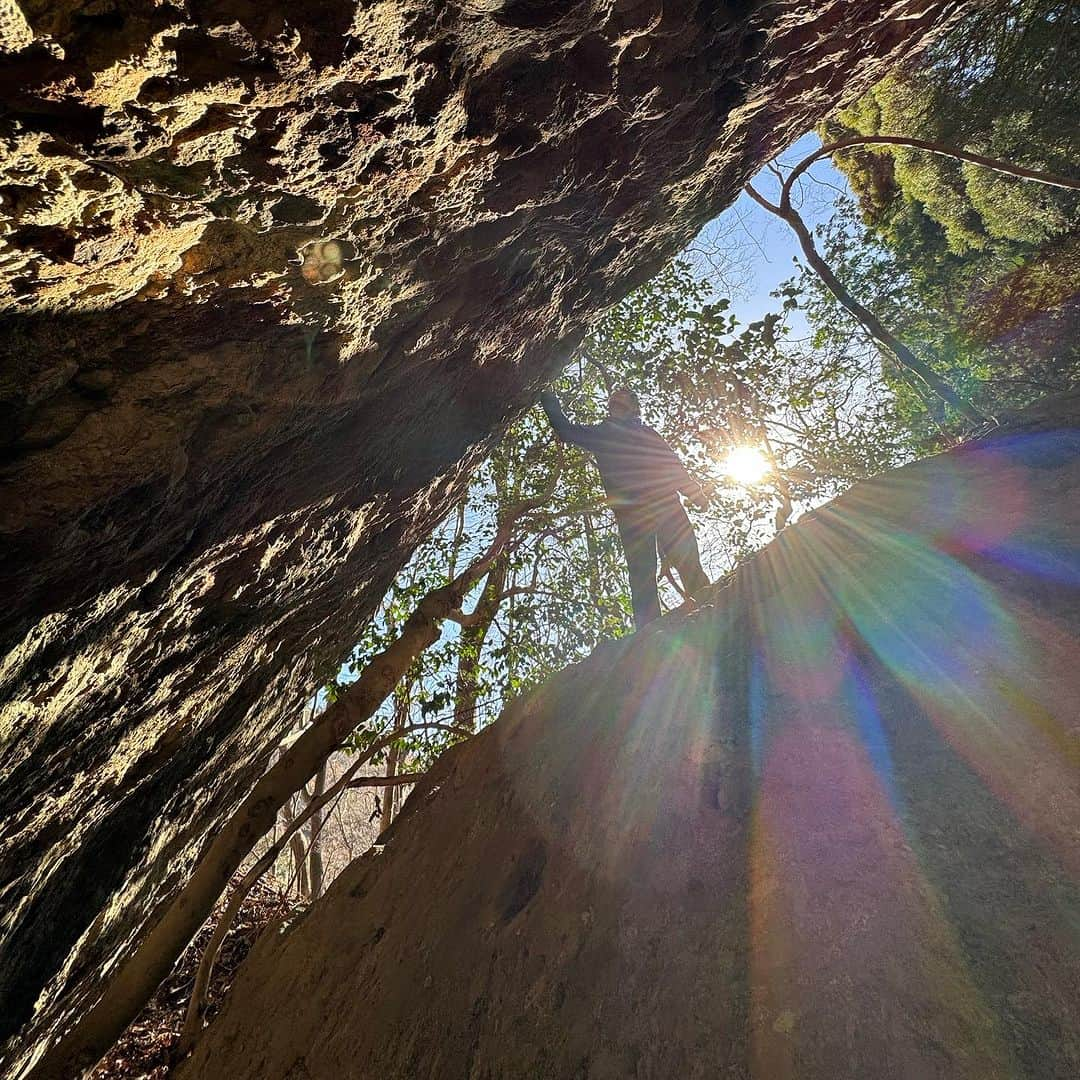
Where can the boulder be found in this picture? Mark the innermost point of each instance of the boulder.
(825, 827)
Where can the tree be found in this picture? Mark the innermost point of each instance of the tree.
(988, 269)
(1002, 83)
(135, 980)
(820, 413)
(913, 364)
(918, 370)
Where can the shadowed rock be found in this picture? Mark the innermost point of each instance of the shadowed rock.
(825, 827)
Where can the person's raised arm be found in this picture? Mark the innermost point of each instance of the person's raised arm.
(583, 435)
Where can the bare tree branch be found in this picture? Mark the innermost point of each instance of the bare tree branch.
(873, 325)
(867, 318)
(385, 781)
(996, 164)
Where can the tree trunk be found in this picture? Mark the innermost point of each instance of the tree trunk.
(297, 851)
(315, 859)
(401, 717)
(474, 634)
(389, 790)
(595, 592)
(467, 678)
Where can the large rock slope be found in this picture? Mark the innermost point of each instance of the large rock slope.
(826, 827)
(215, 450)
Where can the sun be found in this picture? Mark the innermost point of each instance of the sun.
(746, 465)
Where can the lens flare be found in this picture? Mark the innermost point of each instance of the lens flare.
(746, 465)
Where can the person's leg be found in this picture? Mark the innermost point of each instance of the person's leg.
(679, 546)
(639, 545)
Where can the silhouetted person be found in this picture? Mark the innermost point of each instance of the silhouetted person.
(643, 478)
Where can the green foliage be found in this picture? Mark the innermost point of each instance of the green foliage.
(976, 271)
(1004, 84)
(707, 383)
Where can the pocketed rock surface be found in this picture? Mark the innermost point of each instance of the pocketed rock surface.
(272, 276)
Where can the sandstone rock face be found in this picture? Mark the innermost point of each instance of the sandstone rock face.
(826, 827)
(273, 273)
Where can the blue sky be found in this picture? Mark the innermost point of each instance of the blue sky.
(763, 246)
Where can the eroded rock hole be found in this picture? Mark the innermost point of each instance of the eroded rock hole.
(524, 882)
